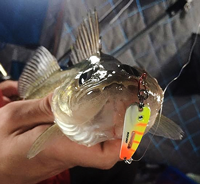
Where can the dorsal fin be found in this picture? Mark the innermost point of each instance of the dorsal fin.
(40, 67)
(88, 40)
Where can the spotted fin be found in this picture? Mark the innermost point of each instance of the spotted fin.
(44, 140)
(88, 40)
(40, 67)
(166, 128)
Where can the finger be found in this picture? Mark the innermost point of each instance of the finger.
(9, 88)
(3, 100)
(96, 156)
(6, 100)
(108, 155)
(23, 115)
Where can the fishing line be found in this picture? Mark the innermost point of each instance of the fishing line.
(189, 59)
(164, 91)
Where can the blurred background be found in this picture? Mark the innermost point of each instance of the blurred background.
(156, 35)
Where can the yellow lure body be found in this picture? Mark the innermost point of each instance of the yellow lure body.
(135, 123)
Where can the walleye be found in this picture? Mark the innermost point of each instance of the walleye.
(90, 99)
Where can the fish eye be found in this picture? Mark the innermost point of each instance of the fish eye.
(85, 76)
(130, 70)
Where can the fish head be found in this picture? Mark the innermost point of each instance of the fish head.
(96, 98)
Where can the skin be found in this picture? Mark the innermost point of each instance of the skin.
(8, 89)
(21, 123)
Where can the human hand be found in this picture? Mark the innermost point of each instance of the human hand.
(8, 89)
(21, 123)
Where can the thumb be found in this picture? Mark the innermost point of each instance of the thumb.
(38, 111)
(42, 110)
(24, 115)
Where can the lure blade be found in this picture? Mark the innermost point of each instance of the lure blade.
(135, 123)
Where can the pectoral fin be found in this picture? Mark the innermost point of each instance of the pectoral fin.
(44, 140)
(166, 128)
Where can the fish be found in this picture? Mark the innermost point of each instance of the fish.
(90, 99)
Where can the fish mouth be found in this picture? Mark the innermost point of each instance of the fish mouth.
(122, 87)
(108, 85)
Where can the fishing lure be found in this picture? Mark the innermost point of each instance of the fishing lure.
(135, 122)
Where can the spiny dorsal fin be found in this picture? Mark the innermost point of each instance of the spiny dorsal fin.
(88, 40)
(38, 69)
(166, 128)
